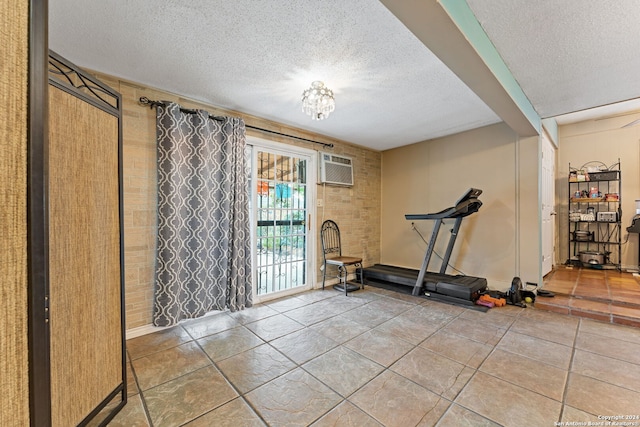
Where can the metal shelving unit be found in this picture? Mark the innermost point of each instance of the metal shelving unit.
(595, 216)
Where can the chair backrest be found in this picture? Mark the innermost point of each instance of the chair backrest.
(330, 236)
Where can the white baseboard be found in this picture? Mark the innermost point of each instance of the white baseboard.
(142, 330)
(149, 329)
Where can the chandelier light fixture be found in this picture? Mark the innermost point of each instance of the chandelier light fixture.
(318, 101)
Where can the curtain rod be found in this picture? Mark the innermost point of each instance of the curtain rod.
(146, 101)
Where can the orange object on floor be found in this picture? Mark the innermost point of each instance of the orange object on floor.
(498, 302)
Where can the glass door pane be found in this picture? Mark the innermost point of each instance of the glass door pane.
(280, 203)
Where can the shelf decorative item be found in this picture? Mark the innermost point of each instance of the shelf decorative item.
(578, 176)
(587, 199)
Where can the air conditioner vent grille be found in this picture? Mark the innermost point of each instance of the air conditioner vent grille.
(335, 169)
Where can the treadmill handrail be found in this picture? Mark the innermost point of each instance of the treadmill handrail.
(446, 213)
(464, 208)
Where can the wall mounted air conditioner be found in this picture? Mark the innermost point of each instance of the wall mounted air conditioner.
(336, 170)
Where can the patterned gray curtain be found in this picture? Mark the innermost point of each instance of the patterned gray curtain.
(203, 260)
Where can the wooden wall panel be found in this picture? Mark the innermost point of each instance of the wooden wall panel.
(14, 375)
(84, 257)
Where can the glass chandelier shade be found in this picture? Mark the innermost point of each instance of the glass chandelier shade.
(318, 101)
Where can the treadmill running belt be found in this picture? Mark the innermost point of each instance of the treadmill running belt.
(463, 287)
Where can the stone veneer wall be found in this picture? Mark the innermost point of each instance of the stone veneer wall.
(355, 209)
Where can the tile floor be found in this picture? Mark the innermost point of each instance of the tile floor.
(379, 358)
(606, 295)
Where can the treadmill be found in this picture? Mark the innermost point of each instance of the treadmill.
(457, 289)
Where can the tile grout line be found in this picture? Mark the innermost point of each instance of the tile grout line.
(297, 365)
(520, 315)
(414, 346)
(575, 285)
(143, 401)
(610, 302)
(476, 370)
(388, 369)
(240, 394)
(517, 385)
(566, 384)
(495, 347)
(385, 368)
(346, 398)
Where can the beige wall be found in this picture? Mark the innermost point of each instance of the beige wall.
(529, 247)
(14, 371)
(356, 209)
(430, 176)
(602, 140)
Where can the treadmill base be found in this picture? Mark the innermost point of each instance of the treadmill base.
(433, 296)
(435, 285)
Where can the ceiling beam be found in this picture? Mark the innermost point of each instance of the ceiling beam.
(450, 30)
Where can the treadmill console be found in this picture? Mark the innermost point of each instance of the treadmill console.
(466, 205)
(472, 193)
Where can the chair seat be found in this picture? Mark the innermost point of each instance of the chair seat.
(332, 255)
(344, 260)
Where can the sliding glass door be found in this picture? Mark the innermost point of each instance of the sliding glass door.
(280, 207)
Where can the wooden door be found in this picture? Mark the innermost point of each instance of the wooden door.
(87, 370)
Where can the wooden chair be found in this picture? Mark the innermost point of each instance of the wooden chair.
(332, 255)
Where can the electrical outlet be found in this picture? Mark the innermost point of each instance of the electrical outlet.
(320, 203)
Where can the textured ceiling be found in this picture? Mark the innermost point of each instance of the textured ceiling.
(258, 56)
(567, 55)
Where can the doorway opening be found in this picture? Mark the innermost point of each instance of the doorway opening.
(283, 188)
